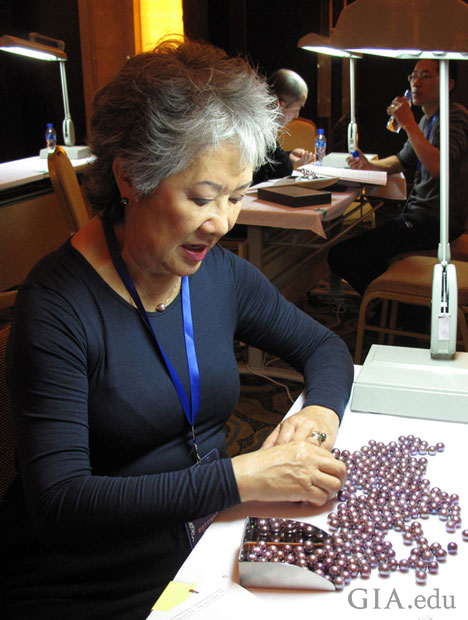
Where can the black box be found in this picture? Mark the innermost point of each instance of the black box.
(294, 195)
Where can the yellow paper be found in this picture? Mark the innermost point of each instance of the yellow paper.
(175, 593)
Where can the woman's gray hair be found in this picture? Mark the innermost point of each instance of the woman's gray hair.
(166, 107)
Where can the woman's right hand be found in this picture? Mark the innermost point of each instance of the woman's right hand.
(295, 471)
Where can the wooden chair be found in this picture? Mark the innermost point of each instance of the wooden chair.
(7, 299)
(237, 245)
(300, 133)
(408, 281)
(67, 189)
(7, 436)
(458, 250)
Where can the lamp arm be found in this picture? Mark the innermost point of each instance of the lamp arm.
(444, 285)
(444, 248)
(67, 126)
(352, 126)
(352, 90)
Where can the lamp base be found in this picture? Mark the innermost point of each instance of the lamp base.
(403, 381)
(73, 152)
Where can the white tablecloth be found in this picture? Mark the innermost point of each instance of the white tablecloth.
(257, 212)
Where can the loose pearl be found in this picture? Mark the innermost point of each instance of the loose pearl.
(339, 583)
(421, 577)
(452, 548)
(384, 570)
(450, 526)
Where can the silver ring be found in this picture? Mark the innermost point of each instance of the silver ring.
(319, 436)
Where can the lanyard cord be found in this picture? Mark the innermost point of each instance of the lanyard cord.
(428, 133)
(419, 165)
(189, 405)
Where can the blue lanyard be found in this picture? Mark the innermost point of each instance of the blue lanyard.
(189, 405)
(428, 133)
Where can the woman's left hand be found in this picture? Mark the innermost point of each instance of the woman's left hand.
(300, 426)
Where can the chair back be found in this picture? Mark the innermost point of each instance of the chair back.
(300, 133)
(7, 434)
(7, 299)
(67, 189)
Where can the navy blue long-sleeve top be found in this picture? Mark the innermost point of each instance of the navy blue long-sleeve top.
(105, 458)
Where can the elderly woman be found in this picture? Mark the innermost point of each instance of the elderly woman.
(121, 359)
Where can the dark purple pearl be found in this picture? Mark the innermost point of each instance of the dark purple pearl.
(365, 570)
(403, 565)
(384, 569)
(421, 577)
(452, 548)
(339, 582)
(427, 556)
(346, 576)
(353, 568)
(433, 567)
(420, 565)
(465, 535)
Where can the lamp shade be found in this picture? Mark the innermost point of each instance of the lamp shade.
(404, 28)
(32, 49)
(322, 45)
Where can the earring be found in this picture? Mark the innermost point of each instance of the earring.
(124, 202)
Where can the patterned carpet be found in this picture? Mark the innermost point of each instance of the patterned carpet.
(263, 404)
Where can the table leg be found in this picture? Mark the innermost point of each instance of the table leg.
(255, 356)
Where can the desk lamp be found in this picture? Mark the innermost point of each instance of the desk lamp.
(399, 380)
(51, 50)
(322, 45)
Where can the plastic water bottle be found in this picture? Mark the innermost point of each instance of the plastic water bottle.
(393, 125)
(51, 137)
(320, 147)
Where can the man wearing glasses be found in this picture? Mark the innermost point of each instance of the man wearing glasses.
(362, 258)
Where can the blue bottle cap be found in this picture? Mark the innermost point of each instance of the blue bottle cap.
(355, 154)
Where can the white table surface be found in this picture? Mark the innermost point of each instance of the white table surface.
(21, 171)
(216, 553)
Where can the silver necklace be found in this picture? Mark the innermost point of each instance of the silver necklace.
(160, 307)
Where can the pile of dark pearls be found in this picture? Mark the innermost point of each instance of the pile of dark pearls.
(385, 490)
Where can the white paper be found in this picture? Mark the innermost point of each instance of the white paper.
(374, 177)
(213, 600)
